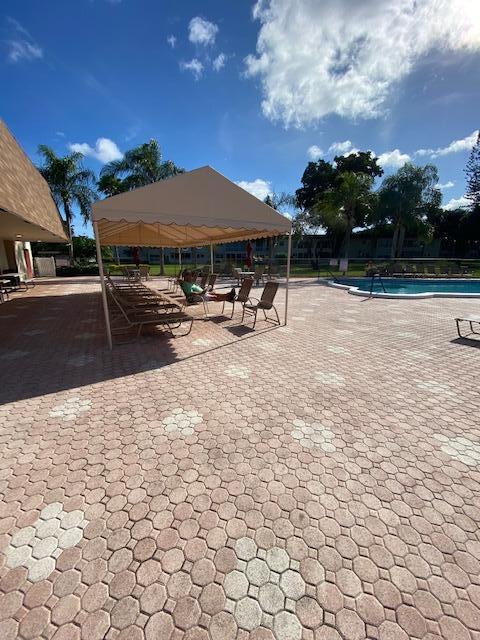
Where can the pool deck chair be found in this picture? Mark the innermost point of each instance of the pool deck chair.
(472, 320)
(264, 304)
(243, 296)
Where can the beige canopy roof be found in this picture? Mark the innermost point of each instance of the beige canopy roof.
(27, 209)
(191, 209)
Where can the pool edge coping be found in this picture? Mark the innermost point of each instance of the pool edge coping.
(356, 291)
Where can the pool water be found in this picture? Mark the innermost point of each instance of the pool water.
(411, 287)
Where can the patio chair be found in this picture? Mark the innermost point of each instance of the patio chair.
(243, 296)
(212, 278)
(273, 273)
(472, 320)
(236, 271)
(144, 272)
(259, 274)
(264, 304)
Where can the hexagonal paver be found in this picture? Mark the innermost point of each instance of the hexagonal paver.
(245, 548)
(277, 559)
(271, 598)
(292, 584)
(257, 572)
(235, 585)
(287, 627)
(248, 614)
(186, 612)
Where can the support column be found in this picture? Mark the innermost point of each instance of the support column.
(179, 261)
(102, 282)
(289, 253)
(211, 258)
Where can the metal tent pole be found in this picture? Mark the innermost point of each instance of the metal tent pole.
(288, 273)
(102, 282)
(211, 257)
(179, 261)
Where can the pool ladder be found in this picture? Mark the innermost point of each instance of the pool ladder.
(376, 275)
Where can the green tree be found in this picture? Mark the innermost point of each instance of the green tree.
(85, 249)
(139, 166)
(276, 200)
(349, 204)
(472, 171)
(71, 185)
(110, 185)
(317, 179)
(409, 201)
(359, 162)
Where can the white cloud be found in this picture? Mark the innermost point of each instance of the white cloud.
(105, 150)
(219, 62)
(341, 148)
(258, 188)
(393, 159)
(60, 134)
(21, 45)
(202, 31)
(314, 152)
(172, 41)
(464, 144)
(457, 203)
(195, 66)
(338, 56)
(446, 185)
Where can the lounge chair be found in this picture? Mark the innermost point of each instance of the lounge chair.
(472, 320)
(264, 304)
(131, 318)
(243, 296)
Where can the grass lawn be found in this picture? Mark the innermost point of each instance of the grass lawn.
(302, 271)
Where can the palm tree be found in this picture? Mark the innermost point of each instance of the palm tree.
(346, 206)
(71, 185)
(407, 200)
(110, 185)
(140, 166)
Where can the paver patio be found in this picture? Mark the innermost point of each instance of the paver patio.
(318, 481)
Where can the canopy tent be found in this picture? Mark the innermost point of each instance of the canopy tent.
(195, 208)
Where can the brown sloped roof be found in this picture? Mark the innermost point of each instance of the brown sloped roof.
(27, 208)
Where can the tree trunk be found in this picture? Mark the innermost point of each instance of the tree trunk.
(393, 251)
(162, 261)
(271, 245)
(68, 218)
(400, 240)
(346, 242)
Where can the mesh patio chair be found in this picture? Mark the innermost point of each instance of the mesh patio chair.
(144, 272)
(243, 296)
(212, 278)
(259, 274)
(264, 304)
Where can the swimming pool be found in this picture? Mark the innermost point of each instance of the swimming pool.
(410, 288)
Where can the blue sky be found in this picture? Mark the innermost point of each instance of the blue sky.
(253, 89)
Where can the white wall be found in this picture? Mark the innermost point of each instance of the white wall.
(20, 258)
